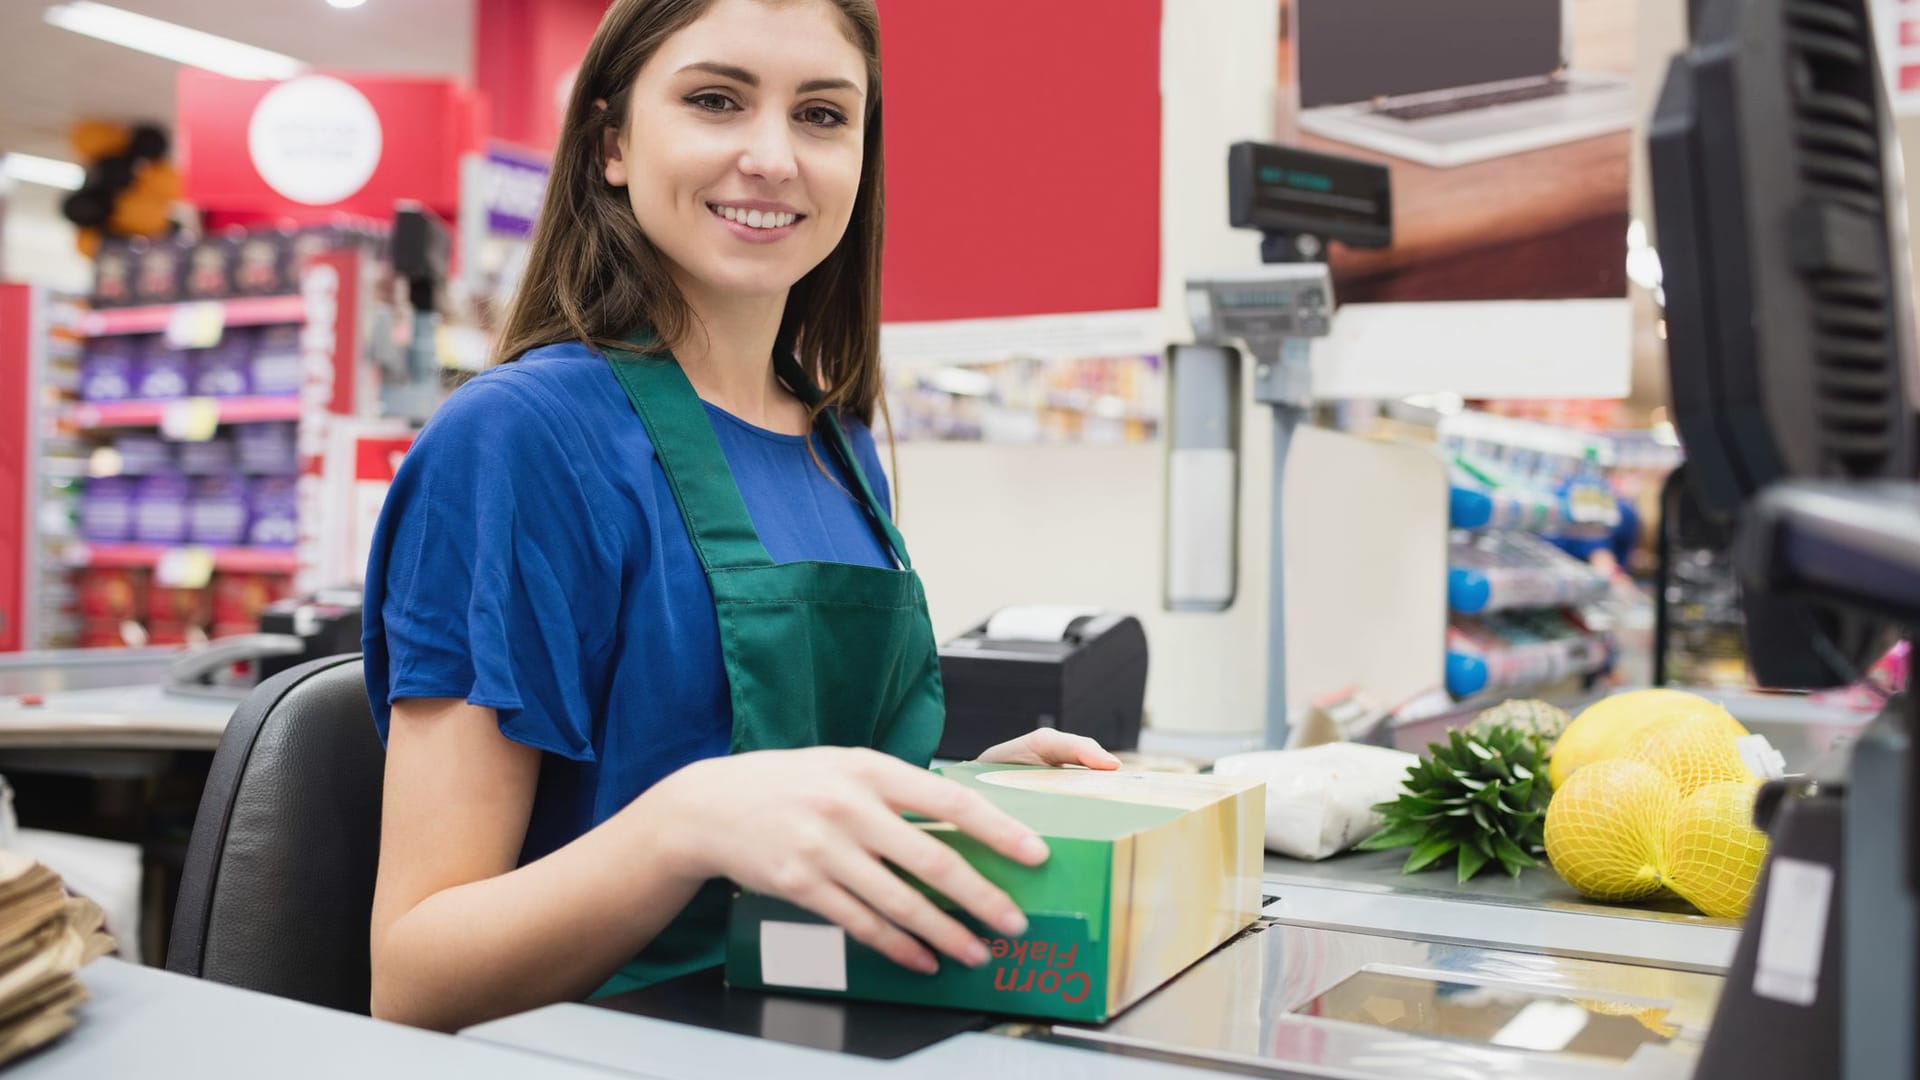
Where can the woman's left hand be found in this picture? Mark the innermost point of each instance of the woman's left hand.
(1046, 746)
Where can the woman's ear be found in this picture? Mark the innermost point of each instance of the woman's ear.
(614, 165)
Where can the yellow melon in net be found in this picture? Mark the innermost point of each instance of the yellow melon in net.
(1713, 851)
(1695, 751)
(1613, 726)
(1607, 829)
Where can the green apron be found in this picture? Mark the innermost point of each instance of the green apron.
(816, 653)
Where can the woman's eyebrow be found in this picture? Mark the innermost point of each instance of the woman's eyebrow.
(743, 76)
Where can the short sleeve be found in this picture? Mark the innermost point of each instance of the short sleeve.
(488, 578)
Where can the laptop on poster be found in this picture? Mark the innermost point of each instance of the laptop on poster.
(1447, 82)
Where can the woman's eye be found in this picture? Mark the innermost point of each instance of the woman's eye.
(712, 102)
(821, 116)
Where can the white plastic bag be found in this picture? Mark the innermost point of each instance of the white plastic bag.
(1320, 800)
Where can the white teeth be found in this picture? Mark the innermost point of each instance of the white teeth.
(756, 219)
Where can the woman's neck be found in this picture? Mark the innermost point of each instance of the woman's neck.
(727, 355)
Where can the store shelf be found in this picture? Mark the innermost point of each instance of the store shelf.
(235, 410)
(232, 560)
(242, 311)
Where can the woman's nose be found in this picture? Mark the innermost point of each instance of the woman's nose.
(769, 149)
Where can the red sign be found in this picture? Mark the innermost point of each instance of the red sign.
(319, 144)
(1023, 166)
(17, 346)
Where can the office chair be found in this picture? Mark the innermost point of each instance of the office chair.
(277, 891)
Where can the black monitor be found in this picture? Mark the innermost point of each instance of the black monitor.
(1781, 229)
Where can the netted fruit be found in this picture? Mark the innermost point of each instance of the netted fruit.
(1607, 829)
(1713, 852)
(1695, 751)
(1613, 726)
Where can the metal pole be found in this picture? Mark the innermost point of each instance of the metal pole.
(1285, 419)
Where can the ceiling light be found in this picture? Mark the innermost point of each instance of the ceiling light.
(172, 41)
(345, 4)
(31, 169)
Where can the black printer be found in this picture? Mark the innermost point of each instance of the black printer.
(1084, 673)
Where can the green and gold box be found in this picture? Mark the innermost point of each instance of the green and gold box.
(1148, 873)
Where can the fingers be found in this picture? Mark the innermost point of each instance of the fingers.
(1059, 748)
(945, 871)
(906, 907)
(905, 788)
(835, 904)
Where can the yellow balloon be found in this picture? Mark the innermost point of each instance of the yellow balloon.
(94, 139)
(135, 215)
(156, 180)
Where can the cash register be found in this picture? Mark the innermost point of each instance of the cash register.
(1080, 670)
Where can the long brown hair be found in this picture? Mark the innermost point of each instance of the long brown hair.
(592, 275)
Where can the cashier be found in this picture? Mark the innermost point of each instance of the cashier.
(638, 620)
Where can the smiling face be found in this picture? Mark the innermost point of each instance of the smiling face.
(742, 146)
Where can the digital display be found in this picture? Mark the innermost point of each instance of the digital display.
(1281, 189)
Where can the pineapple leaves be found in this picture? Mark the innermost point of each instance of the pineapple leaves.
(1427, 852)
(1477, 796)
(1471, 860)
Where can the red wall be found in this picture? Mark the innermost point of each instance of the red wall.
(1023, 144)
(523, 50)
(16, 343)
(1023, 156)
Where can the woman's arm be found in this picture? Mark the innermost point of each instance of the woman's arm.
(461, 936)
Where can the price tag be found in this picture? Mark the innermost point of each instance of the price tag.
(190, 419)
(196, 326)
(184, 568)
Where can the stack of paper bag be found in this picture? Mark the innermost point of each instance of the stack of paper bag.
(45, 936)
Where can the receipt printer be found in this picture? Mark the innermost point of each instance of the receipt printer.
(1078, 670)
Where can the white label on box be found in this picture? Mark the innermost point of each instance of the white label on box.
(196, 326)
(190, 419)
(184, 568)
(805, 956)
(1787, 967)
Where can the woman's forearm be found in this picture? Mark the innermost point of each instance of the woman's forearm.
(549, 931)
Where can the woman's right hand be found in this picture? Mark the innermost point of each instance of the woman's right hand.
(818, 827)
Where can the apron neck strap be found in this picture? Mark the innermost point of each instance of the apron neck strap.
(690, 454)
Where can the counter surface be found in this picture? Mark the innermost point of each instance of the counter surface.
(156, 1025)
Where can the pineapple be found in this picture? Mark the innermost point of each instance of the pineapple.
(1528, 714)
(1480, 798)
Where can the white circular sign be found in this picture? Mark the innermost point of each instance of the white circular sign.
(314, 139)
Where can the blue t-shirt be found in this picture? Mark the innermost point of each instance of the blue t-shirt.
(531, 559)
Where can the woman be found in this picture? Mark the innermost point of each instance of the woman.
(638, 622)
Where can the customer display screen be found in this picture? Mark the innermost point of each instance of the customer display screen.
(1357, 50)
(1294, 186)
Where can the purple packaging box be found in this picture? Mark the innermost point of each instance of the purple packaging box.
(276, 521)
(216, 455)
(164, 372)
(158, 270)
(218, 510)
(160, 509)
(143, 454)
(106, 510)
(267, 448)
(275, 366)
(113, 274)
(226, 369)
(260, 262)
(204, 273)
(110, 368)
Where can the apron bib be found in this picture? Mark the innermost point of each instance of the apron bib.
(815, 653)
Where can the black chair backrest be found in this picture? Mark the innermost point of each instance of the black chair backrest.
(277, 891)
